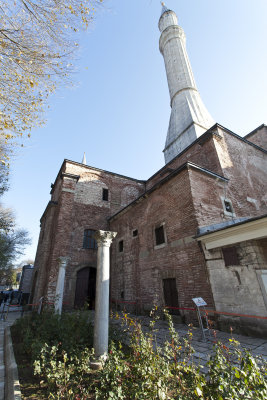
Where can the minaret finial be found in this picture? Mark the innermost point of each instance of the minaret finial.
(84, 159)
(164, 8)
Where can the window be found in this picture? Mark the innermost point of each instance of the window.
(230, 256)
(121, 246)
(135, 233)
(105, 194)
(228, 206)
(88, 239)
(159, 234)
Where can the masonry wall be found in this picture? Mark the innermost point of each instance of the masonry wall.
(44, 250)
(77, 204)
(259, 136)
(138, 272)
(246, 168)
(228, 155)
(239, 288)
(25, 281)
(202, 153)
(207, 194)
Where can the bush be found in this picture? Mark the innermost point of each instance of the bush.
(142, 370)
(149, 372)
(72, 331)
(68, 377)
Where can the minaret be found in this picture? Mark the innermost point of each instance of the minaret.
(189, 117)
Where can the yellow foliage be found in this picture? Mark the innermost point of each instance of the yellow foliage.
(37, 43)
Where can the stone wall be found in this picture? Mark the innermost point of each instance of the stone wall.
(26, 279)
(239, 288)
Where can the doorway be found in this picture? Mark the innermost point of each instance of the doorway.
(171, 295)
(85, 288)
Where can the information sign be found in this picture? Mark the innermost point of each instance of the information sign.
(199, 302)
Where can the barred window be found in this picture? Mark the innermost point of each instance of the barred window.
(88, 239)
(121, 246)
(230, 256)
(159, 234)
(228, 206)
(105, 194)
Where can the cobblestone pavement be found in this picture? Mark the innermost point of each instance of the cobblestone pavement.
(11, 318)
(203, 349)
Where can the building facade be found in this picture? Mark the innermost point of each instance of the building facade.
(196, 228)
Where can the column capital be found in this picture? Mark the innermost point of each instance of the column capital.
(63, 261)
(104, 238)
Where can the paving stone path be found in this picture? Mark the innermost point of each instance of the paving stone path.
(12, 316)
(203, 349)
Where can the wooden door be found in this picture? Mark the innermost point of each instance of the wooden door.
(91, 288)
(81, 287)
(85, 288)
(170, 295)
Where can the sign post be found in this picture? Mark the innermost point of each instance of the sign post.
(199, 302)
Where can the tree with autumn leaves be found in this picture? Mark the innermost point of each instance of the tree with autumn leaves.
(38, 40)
(37, 47)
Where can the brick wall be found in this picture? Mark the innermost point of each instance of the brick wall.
(245, 166)
(77, 205)
(259, 136)
(201, 152)
(138, 271)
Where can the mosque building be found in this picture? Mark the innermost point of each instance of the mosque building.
(196, 228)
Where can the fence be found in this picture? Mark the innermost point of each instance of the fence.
(122, 304)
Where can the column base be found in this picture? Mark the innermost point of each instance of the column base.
(98, 362)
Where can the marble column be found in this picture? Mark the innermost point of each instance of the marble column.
(104, 239)
(60, 284)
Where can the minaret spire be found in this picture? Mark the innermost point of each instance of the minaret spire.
(84, 159)
(189, 117)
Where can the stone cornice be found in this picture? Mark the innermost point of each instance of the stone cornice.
(186, 165)
(182, 90)
(69, 176)
(254, 228)
(168, 35)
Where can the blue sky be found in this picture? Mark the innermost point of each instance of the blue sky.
(119, 110)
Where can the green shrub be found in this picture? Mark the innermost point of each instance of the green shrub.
(142, 370)
(71, 330)
(149, 372)
(235, 374)
(68, 377)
